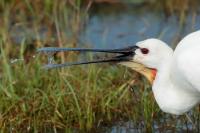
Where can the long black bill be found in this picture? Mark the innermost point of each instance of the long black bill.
(123, 54)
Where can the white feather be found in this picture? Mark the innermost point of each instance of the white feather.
(177, 84)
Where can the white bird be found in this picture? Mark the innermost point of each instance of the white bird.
(175, 75)
(176, 87)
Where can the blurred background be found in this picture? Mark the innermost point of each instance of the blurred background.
(90, 98)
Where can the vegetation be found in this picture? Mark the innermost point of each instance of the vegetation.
(82, 98)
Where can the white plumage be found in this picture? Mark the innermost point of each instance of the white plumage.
(177, 83)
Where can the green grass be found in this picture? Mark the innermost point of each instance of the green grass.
(36, 99)
(81, 98)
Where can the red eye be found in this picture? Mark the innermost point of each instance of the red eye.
(144, 50)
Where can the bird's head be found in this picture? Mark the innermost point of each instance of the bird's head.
(152, 53)
(148, 56)
(145, 57)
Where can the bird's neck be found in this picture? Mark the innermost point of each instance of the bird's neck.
(163, 74)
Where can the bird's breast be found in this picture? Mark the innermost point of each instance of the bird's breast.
(173, 100)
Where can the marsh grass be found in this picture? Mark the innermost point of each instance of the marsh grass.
(81, 98)
(34, 99)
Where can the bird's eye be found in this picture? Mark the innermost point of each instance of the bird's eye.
(144, 50)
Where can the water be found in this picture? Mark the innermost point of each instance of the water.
(121, 26)
(117, 26)
(164, 124)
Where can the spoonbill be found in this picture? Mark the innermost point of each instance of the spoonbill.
(175, 75)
